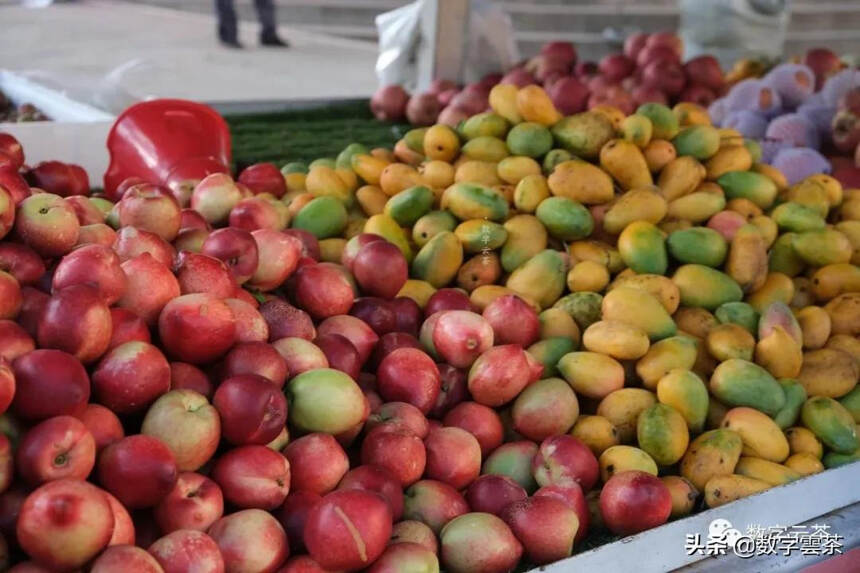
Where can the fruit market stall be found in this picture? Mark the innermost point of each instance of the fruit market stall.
(658, 334)
(528, 331)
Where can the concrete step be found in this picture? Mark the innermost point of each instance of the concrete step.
(834, 23)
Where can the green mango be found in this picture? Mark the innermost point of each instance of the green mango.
(431, 224)
(662, 433)
(663, 120)
(541, 278)
(796, 217)
(754, 148)
(639, 308)
(795, 396)
(740, 313)
(485, 148)
(831, 423)
(697, 207)
(410, 205)
(583, 134)
(698, 245)
(685, 391)
(851, 402)
(294, 167)
(705, 287)
(549, 351)
(758, 188)
(643, 248)
(583, 307)
(822, 248)
(344, 158)
(699, 141)
(414, 139)
(439, 260)
(387, 228)
(782, 257)
(833, 460)
(526, 237)
(565, 219)
(487, 124)
(330, 162)
(553, 158)
(472, 201)
(737, 382)
(477, 235)
(324, 217)
(529, 139)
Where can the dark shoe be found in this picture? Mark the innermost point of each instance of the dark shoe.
(272, 40)
(231, 43)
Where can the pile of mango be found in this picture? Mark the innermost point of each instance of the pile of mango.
(705, 313)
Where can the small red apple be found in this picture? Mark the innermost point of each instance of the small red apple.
(480, 421)
(58, 448)
(65, 523)
(253, 477)
(188, 550)
(545, 526)
(293, 514)
(236, 248)
(197, 328)
(187, 424)
(264, 178)
(112, 386)
(203, 274)
(348, 529)
(51, 373)
(126, 558)
(453, 456)
(150, 287)
(103, 424)
(150, 208)
(250, 540)
(139, 470)
(634, 501)
(399, 415)
(317, 463)
(195, 502)
(492, 493)
(215, 196)
(21, 262)
(278, 258)
(252, 409)
(378, 480)
(131, 242)
(76, 320)
(562, 460)
(478, 542)
(47, 224)
(124, 532)
(399, 451)
(250, 324)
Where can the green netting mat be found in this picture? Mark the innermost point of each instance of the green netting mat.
(305, 135)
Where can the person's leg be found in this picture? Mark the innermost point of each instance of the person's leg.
(227, 26)
(268, 23)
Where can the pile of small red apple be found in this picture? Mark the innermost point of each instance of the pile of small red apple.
(650, 69)
(195, 391)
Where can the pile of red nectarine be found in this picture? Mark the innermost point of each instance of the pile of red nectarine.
(188, 387)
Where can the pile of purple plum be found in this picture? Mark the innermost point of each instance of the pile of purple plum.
(792, 121)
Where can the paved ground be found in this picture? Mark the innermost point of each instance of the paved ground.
(112, 51)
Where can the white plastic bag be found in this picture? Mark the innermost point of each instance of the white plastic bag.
(398, 36)
(490, 44)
